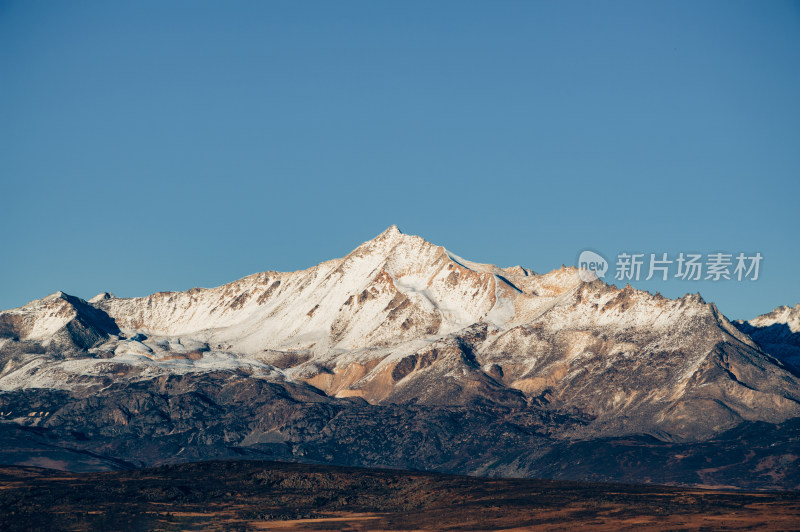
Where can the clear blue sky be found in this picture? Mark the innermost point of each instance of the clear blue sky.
(149, 146)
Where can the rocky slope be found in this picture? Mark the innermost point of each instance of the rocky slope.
(400, 353)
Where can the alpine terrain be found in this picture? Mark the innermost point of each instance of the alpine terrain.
(403, 354)
(778, 333)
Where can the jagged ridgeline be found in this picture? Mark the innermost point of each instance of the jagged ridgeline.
(398, 354)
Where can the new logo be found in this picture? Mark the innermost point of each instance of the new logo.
(591, 266)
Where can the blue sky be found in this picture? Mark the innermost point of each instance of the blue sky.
(149, 146)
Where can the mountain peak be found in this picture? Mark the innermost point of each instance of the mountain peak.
(390, 233)
(54, 296)
(101, 297)
(392, 230)
(782, 315)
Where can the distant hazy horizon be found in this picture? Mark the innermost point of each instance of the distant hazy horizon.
(155, 146)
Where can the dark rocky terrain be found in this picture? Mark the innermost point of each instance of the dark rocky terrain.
(255, 495)
(188, 418)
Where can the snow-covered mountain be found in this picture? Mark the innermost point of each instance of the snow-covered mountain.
(401, 320)
(778, 333)
(400, 353)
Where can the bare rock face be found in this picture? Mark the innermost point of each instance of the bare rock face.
(402, 336)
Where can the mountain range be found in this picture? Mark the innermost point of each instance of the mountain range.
(403, 354)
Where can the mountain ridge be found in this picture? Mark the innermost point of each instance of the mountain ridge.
(778, 333)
